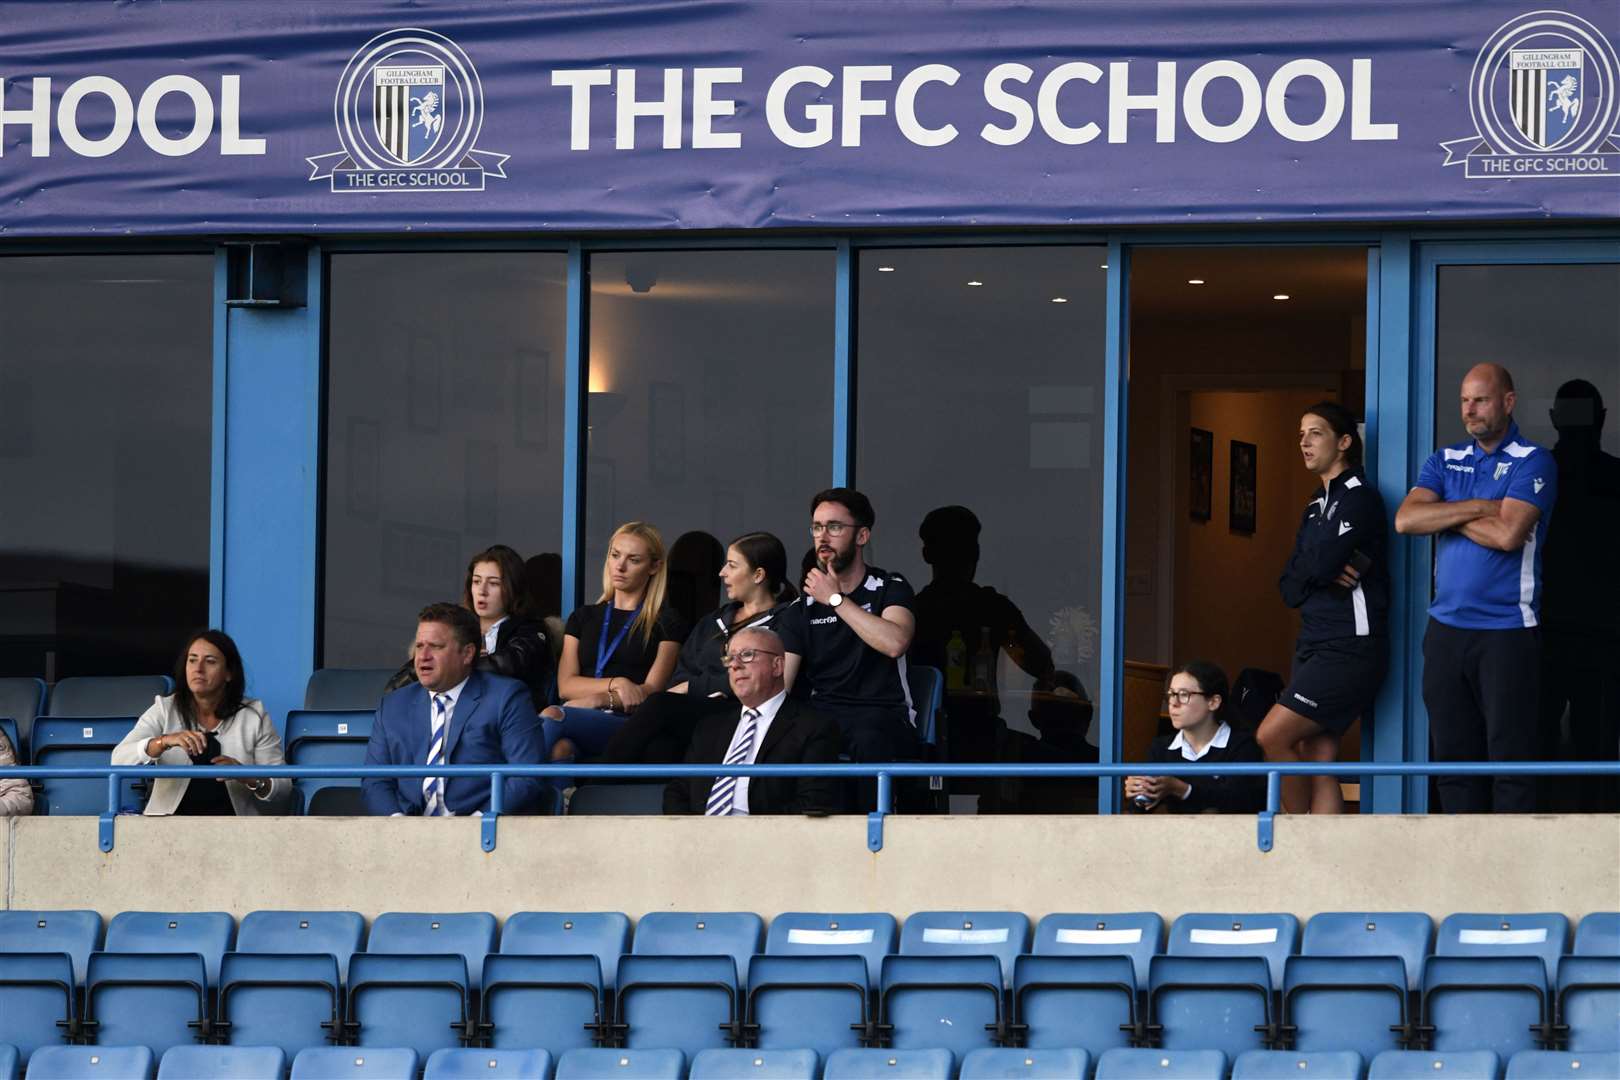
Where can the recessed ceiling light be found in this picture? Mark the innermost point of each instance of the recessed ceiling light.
(1280, 296)
(975, 283)
(1060, 299)
(1195, 281)
(885, 269)
(1104, 266)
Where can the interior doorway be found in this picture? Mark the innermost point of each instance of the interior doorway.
(1228, 346)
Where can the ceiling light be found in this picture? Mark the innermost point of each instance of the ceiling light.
(885, 269)
(1104, 265)
(1280, 296)
(1060, 299)
(975, 283)
(1195, 281)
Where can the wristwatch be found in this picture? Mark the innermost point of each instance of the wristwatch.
(836, 599)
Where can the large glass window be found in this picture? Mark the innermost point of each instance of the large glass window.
(105, 446)
(443, 435)
(980, 376)
(710, 407)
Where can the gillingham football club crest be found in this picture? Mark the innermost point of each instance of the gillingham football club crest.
(1544, 102)
(409, 109)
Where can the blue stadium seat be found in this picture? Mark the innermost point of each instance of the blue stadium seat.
(953, 1002)
(488, 1065)
(889, 1065)
(335, 800)
(1598, 934)
(468, 934)
(1562, 1065)
(1076, 1001)
(1161, 1065)
(1286, 1064)
(286, 1000)
(690, 1003)
(1137, 934)
(22, 699)
(67, 744)
(1210, 1002)
(1545, 934)
(36, 1001)
(208, 934)
(336, 933)
(328, 737)
(737, 934)
(927, 686)
(10, 1062)
(1272, 935)
(1006, 1064)
(602, 934)
(1588, 1003)
(1496, 1003)
(419, 1001)
(817, 1002)
(337, 689)
(107, 695)
(869, 935)
(89, 1062)
(222, 1063)
(1002, 934)
(617, 799)
(76, 933)
(156, 1000)
(1358, 1003)
(551, 1001)
(1428, 1065)
(1406, 934)
(621, 1065)
(755, 1065)
(354, 1063)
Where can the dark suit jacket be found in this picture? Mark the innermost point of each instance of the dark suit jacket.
(797, 735)
(494, 722)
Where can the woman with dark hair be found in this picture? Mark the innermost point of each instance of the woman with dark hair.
(514, 644)
(1338, 578)
(208, 720)
(1194, 697)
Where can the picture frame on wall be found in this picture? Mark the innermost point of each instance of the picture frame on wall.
(1201, 474)
(1241, 505)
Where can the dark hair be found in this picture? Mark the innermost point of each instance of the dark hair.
(514, 596)
(1342, 423)
(235, 678)
(463, 624)
(1211, 679)
(764, 551)
(858, 505)
(949, 525)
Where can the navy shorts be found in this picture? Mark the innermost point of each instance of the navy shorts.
(1336, 681)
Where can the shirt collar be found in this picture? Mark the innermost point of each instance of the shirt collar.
(493, 631)
(1223, 735)
(768, 710)
(454, 692)
(1508, 437)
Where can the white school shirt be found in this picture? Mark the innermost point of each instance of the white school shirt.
(1223, 735)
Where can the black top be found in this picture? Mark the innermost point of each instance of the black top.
(840, 670)
(699, 663)
(1347, 520)
(1222, 794)
(634, 656)
(206, 798)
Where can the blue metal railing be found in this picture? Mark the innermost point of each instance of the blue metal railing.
(886, 774)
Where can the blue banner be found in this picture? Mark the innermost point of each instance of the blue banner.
(215, 117)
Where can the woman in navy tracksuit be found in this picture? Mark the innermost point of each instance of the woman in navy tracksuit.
(1338, 578)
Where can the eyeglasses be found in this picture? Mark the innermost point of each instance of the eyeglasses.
(1181, 697)
(746, 656)
(831, 528)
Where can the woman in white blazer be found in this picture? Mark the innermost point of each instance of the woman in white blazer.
(208, 721)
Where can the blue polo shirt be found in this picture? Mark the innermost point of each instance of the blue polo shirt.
(1476, 587)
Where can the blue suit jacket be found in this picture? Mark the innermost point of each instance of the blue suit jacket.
(494, 722)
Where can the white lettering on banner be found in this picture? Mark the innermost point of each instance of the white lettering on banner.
(856, 106)
(579, 112)
(1046, 103)
(67, 116)
(1121, 102)
(1192, 101)
(1277, 100)
(128, 116)
(905, 105)
(996, 95)
(669, 108)
(706, 108)
(820, 115)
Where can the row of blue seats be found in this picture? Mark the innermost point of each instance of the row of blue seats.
(400, 1063)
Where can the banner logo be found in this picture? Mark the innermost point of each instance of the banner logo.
(408, 110)
(1544, 102)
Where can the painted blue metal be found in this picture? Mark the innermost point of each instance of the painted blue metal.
(576, 381)
(216, 479)
(1264, 832)
(874, 820)
(843, 433)
(1369, 725)
(1112, 617)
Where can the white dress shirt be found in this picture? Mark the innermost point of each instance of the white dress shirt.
(1223, 734)
(454, 694)
(491, 634)
(767, 713)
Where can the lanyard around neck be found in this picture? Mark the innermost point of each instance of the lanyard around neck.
(604, 648)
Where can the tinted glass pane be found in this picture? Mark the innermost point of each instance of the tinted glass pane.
(711, 402)
(978, 388)
(444, 432)
(105, 441)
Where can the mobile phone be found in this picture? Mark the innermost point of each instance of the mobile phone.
(1359, 561)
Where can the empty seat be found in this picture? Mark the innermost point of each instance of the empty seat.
(1285, 1064)
(1005, 1064)
(488, 1065)
(1544, 934)
(1587, 1003)
(1598, 934)
(328, 737)
(621, 1065)
(1562, 1065)
(1355, 1003)
(621, 799)
(338, 689)
(869, 935)
(690, 1003)
(1496, 1003)
(551, 1001)
(1429, 1064)
(1271, 935)
(107, 695)
(74, 932)
(346, 1062)
(208, 934)
(470, 935)
(755, 1065)
(156, 1000)
(414, 1000)
(75, 743)
(1406, 934)
(1136, 934)
(336, 933)
(1077, 1001)
(21, 699)
(1161, 1065)
(1210, 1002)
(36, 1001)
(89, 1062)
(286, 1000)
(817, 1002)
(927, 686)
(1002, 934)
(953, 1002)
(889, 1065)
(602, 934)
(222, 1063)
(737, 934)
(333, 800)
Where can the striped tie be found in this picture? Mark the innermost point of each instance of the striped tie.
(723, 795)
(433, 786)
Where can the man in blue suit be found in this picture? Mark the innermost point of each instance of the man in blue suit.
(454, 715)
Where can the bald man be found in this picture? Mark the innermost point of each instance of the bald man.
(1487, 501)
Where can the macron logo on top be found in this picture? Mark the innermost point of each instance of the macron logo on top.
(1344, 527)
(1539, 484)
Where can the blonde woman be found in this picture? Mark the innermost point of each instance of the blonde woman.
(617, 650)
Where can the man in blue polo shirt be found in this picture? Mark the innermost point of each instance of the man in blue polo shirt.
(1487, 501)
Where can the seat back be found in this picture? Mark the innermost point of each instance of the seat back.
(1075, 1000)
(71, 743)
(107, 695)
(336, 933)
(208, 934)
(617, 799)
(1210, 1002)
(870, 935)
(737, 934)
(412, 1000)
(332, 799)
(1002, 934)
(354, 1063)
(1287, 1064)
(316, 726)
(468, 934)
(1485, 1002)
(1562, 1064)
(1406, 934)
(621, 1065)
(1161, 1065)
(285, 1000)
(927, 686)
(1428, 1064)
(602, 934)
(157, 1000)
(817, 1002)
(76, 933)
(338, 689)
(1136, 934)
(754, 1065)
(1005, 1064)
(10, 1062)
(36, 1000)
(1346, 1002)
(1588, 1002)
(1272, 935)
(550, 1001)
(22, 699)
(222, 1063)
(14, 739)
(948, 1001)
(889, 1065)
(488, 1065)
(1543, 934)
(89, 1062)
(687, 1002)
(1598, 934)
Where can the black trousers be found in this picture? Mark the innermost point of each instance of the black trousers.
(1482, 691)
(879, 735)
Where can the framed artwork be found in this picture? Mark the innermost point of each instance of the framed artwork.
(1242, 505)
(1201, 474)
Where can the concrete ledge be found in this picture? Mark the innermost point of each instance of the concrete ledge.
(769, 865)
